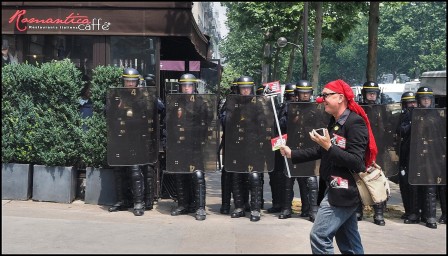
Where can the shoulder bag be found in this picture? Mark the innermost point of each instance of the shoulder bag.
(373, 185)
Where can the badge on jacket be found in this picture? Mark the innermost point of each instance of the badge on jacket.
(338, 141)
(338, 182)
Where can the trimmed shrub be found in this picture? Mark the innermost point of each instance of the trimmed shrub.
(40, 106)
(94, 141)
(41, 122)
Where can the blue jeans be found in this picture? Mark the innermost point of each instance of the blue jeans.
(334, 221)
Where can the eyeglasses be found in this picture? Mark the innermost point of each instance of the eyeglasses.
(325, 95)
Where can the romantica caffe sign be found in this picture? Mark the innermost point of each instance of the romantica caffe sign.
(78, 21)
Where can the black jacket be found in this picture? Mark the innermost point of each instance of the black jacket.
(336, 163)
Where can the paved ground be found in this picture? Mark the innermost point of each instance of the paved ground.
(30, 227)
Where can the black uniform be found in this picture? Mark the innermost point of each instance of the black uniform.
(422, 204)
(308, 186)
(141, 176)
(403, 132)
(378, 216)
(255, 180)
(191, 186)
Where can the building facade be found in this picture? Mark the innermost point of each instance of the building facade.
(160, 38)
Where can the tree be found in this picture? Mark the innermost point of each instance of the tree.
(374, 20)
(317, 44)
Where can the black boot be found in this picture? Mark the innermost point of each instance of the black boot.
(288, 194)
(414, 216)
(120, 205)
(246, 191)
(442, 196)
(313, 191)
(226, 191)
(238, 189)
(199, 185)
(378, 216)
(304, 196)
(430, 205)
(137, 190)
(149, 186)
(182, 195)
(276, 185)
(285, 214)
(404, 191)
(255, 196)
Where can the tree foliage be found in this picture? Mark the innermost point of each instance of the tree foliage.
(411, 38)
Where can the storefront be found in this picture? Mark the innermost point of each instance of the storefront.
(142, 35)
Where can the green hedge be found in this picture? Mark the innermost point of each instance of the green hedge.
(94, 144)
(41, 123)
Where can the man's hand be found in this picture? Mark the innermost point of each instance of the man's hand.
(323, 141)
(285, 151)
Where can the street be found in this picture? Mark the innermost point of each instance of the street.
(30, 227)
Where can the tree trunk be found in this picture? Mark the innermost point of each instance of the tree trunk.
(317, 46)
(374, 20)
(305, 42)
(292, 56)
(276, 62)
(266, 57)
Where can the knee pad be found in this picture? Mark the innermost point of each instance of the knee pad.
(136, 172)
(199, 177)
(311, 182)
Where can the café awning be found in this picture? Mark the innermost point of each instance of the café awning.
(172, 21)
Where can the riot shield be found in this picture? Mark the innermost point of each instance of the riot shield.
(384, 119)
(303, 117)
(192, 133)
(132, 126)
(427, 164)
(249, 128)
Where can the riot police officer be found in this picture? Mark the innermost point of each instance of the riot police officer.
(190, 186)
(423, 198)
(277, 177)
(246, 87)
(308, 186)
(408, 103)
(226, 177)
(371, 95)
(131, 78)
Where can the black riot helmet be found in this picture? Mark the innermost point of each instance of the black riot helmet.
(130, 74)
(234, 86)
(289, 94)
(150, 80)
(141, 81)
(369, 87)
(303, 86)
(188, 79)
(422, 94)
(260, 89)
(407, 97)
(245, 82)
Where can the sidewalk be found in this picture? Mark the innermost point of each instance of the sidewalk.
(30, 227)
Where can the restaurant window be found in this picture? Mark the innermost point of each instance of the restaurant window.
(135, 52)
(35, 49)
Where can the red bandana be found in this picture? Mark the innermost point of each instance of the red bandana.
(342, 87)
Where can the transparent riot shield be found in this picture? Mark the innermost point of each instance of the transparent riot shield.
(192, 133)
(132, 126)
(249, 129)
(427, 161)
(303, 117)
(384, 120)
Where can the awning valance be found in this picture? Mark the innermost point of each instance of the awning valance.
(172, 19)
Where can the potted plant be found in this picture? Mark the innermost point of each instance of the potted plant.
(100, 181)
(57, 132)
(19, 114)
